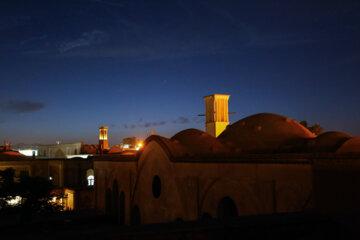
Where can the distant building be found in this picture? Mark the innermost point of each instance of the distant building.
(103, 139)
(74, 178)
(66, 150)
(7, 151)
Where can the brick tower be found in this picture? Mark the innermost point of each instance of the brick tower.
(216, 113)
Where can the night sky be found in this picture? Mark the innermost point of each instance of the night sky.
(68, 67)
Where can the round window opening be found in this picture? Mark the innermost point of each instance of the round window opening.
(156, 186)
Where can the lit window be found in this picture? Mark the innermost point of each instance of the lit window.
(90, 180)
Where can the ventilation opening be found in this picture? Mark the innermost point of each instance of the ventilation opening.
(156, 187)
(227, 208)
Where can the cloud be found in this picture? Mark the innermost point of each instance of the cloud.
(88, 38)
(145, 125)
(181, 120)
(150, 124)
(23, 106)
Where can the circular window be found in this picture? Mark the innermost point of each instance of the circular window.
(156, 186)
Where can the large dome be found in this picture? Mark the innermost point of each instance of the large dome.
(266, 132)
(350, 146)
(328, 142)
(198, 142)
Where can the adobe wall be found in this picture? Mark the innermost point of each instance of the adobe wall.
(336, 184)
(108, 174)
(190, 190)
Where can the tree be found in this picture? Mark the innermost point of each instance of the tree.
(315, 129)
(25, 194)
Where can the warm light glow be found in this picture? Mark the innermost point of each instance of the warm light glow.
(139, 145)
(29, 152)
(91, 180)
(14, 201)
(79, 155)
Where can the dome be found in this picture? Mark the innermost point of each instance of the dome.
(197, 142)
(12, 153)
(266, 132)
(328, 142)
(351, 145)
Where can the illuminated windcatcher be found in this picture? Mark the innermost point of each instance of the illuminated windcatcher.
(103, 139)
(216, 113)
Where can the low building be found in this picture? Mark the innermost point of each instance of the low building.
(262, 164)
(66, 150)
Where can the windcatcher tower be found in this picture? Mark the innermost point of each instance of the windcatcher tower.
(216, 113)
(103, 138)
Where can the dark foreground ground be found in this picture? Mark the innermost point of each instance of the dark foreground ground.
(68, 226)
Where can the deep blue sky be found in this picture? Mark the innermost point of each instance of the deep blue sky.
(67, 67)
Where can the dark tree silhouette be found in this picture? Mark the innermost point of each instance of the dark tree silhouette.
(315, 129)
(34, 193)
(304, 123)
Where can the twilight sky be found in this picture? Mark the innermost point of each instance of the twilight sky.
(67, 67)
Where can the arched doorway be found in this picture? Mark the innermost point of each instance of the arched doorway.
(226, 208)
(122, 209)
(115, 201)
(135, 216)
(90, 177)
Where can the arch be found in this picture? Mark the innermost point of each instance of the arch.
(90, 177)
(156, 186)
(226, 208)
(135, 216)
(122, 209)
(154, 161)
(242, 193)
(115, 201)
(108, 201)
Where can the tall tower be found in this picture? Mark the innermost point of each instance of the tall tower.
(103, 139)
(216, 113)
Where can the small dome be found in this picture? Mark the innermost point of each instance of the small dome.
(266, 132)
(12, 153)
(197, 142)
(351, 145)
(115, 149)
(328, 142)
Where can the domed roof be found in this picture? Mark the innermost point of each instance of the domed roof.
(266, 132)
(12, 153)
(351, 145)
(197, 142)
(328, 142)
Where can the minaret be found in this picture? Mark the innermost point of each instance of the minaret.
(216, 113)
(103, 139)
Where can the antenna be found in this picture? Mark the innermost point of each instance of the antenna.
(203, 114)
